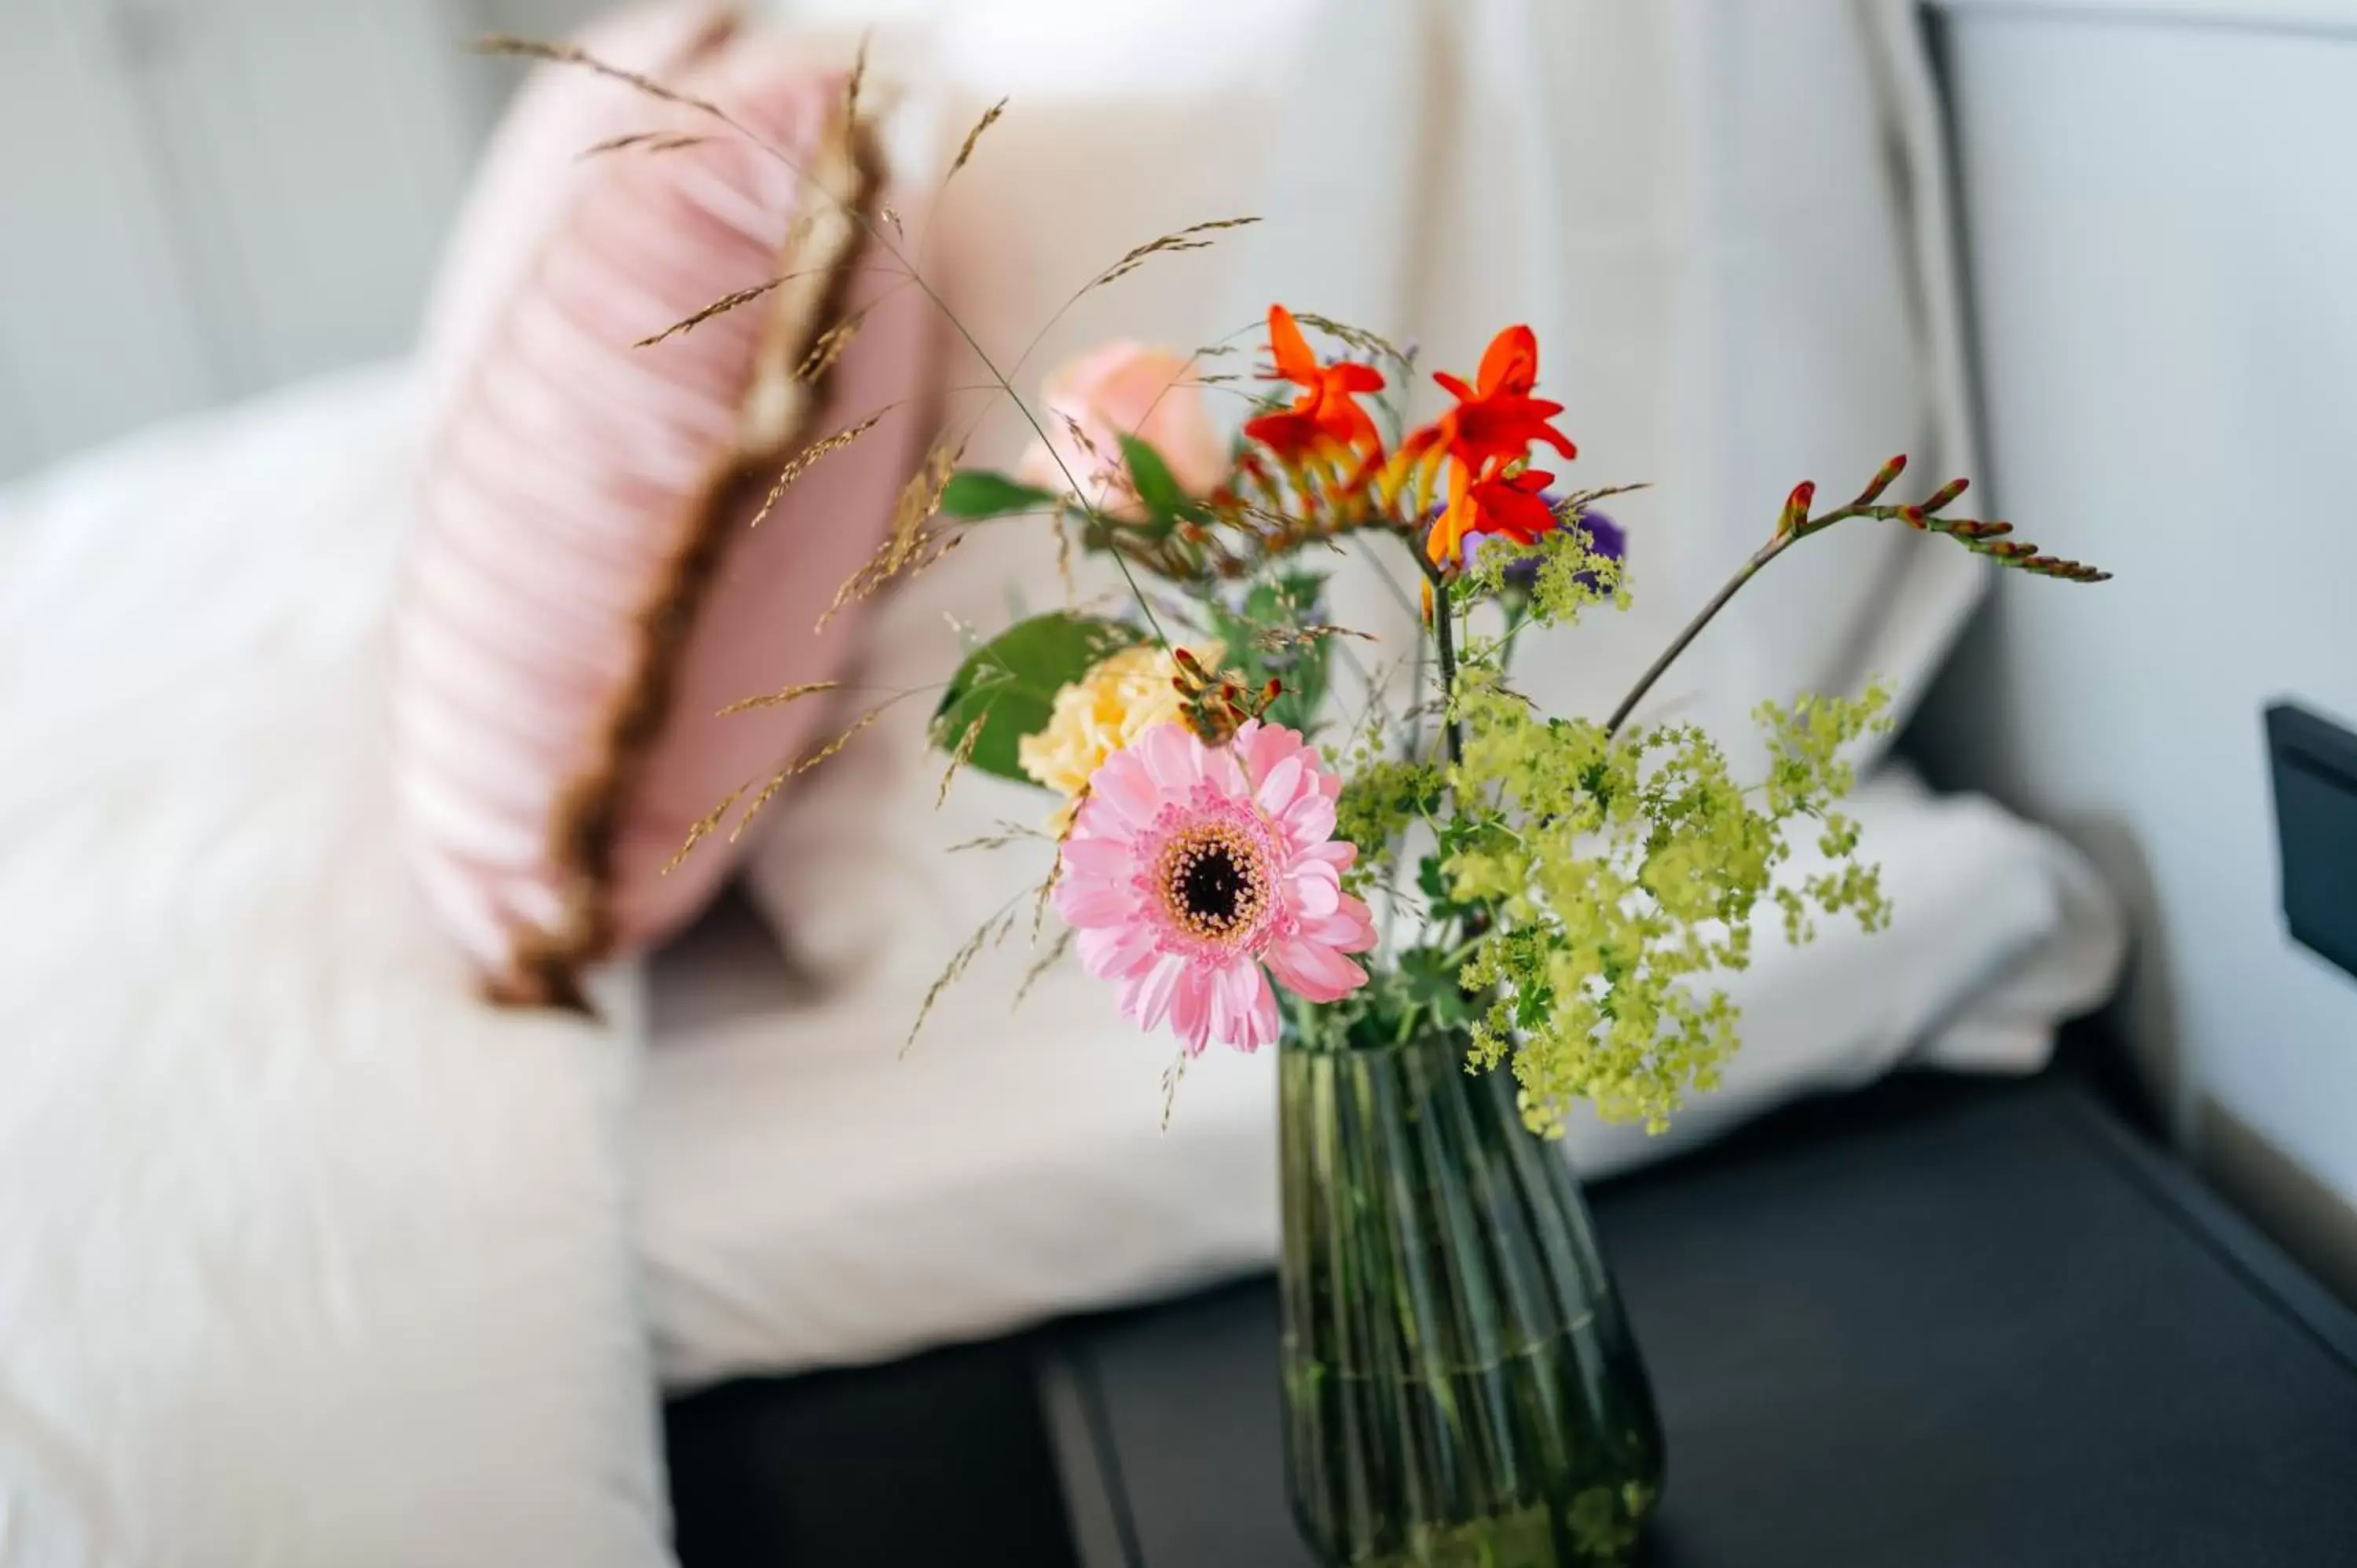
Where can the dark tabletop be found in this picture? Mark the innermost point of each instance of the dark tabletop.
(1934, 1326)
(1993, 1335)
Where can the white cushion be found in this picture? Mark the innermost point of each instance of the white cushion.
(305, 1256)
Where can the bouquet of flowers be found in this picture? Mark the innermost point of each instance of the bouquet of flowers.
(1557, 888)
(1266, 828)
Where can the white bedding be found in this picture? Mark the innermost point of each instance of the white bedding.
(813, 1196)
(306, 1259)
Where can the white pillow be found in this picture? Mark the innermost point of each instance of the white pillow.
(306, 1255)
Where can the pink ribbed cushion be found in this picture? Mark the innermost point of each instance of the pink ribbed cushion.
(533, 168)
(585, 593)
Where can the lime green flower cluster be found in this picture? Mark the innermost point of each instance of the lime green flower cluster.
(1613, 873)
(1381, 797)
(1583, 884)
(1548, 583)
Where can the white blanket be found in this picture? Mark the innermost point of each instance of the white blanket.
(306, 1259)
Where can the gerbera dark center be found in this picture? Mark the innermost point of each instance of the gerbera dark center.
(1213, 885)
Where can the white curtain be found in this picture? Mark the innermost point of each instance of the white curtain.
(1726, 222)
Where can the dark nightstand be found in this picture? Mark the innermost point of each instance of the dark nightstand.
(1934, 1325)
(1999, 1333)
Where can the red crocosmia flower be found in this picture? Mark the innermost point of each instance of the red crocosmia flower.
(1291, 438)
(1510, 364)
(1492, 426)
(1507, 505)
(1500, 428)
(1513, 507)
(1326, 414)
(1496, 419)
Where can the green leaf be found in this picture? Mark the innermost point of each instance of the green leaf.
(1431, 982)
(1299, 665)
(1157, 487)
(1009, 685)
(978, 492)
(1441, 904)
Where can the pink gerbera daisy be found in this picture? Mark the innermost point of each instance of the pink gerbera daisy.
(1191, 866)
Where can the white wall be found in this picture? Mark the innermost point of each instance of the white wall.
(2162, 228)
(208, 197)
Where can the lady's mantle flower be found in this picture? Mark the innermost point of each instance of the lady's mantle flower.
(1608, 542)
(1125, 696)
(1191, 866)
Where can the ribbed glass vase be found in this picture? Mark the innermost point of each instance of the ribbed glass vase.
(1461, 1383)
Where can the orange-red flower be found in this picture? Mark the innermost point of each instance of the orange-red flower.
(1496, 419)
(1510, 364)
(1324, 416)
(1509, 504)
(1492, 428)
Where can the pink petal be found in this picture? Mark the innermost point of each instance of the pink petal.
(1227, 1020)
(1146, 998)
(1275, 791)
(1314, 888)
(1082, 901)
(1263, 746)
(1171, 755)
(1314, 971)
(1098, 855)
(1156, 395)
(1190, 1006)
(1225, 771)
(1039, 465)
(1260, 1017)
(1116, 952)
(1309, 821)
(1350, 928)
(1126, 789)
(1243, 1008)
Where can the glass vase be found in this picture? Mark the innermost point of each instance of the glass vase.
(1461, 1383)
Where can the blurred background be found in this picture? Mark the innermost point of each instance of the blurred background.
(2099, 255)
(210, 199)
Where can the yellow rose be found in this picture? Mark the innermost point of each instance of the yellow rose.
(1112, 704)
